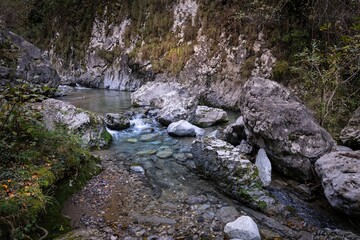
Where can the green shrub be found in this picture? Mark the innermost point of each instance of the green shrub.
(32, 160)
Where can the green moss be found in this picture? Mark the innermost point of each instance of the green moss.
(106, 136)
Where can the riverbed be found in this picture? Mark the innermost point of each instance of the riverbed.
(141, 194)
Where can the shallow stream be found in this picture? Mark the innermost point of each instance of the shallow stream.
(173, 183)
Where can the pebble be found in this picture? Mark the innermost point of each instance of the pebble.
(137, 169)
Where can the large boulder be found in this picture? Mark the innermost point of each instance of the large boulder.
(350, 135)
(209, 116)
(235, 132)
(340, 177)
(183, 128)
(117, 121)
(174, 101)
(87, 125)
(223, 164)
(21, 60)
(284, 127)
(242, 228)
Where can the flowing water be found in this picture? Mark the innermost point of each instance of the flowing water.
(171, 177)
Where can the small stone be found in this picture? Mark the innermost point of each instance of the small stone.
(132, 140)
(137, 169)
(227, 214)
(164, 152)
(242, 228)
(209, 215)
(149, 137)
(146, 153)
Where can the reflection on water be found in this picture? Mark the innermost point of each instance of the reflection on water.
(100, 101)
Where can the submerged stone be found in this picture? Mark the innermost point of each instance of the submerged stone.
(164, 152)
(149, 137)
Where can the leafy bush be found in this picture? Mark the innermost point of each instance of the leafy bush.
(32, 160)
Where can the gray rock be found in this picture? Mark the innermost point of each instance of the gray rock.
(227, 214)
(174, 101)
(263, 164)
(242, 228)
(208, 116)
(214, 134)
(283, 126)
(245, 147)
(137, 169)
(164, 152)
(183, 128)
(340, 177)
(350, 135)
(88, 125)
(223, 164)
(26, 62)
(339, 148)
(117, 121)
(235, 133)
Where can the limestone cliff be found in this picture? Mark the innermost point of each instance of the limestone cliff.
(121, 56)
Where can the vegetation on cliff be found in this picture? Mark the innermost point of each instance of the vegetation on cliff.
(316, 42)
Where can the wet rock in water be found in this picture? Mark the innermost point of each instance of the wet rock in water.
(284, 127)
(183, 128)
(245, 147)
(242, 228)
(116, 121)
(146, 153)
(350, 135)
(223, 164)
(88, 125)
(235, 132)
(132, 140)
(149, 137)
(264, 166)
(137, 169)
(209, 116)
(164, 152)
(227, 214)
(174, 101)
(340, 177)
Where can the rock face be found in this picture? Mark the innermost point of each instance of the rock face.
(117, 121)
(20, 59)
(183, 128)
(88, 126)
(242, 228)
(263, 164)
(208, 116)
(174, 101)
(284, 127)
(235, 132)
(231, 171)
(340, 177)
(350, 135)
